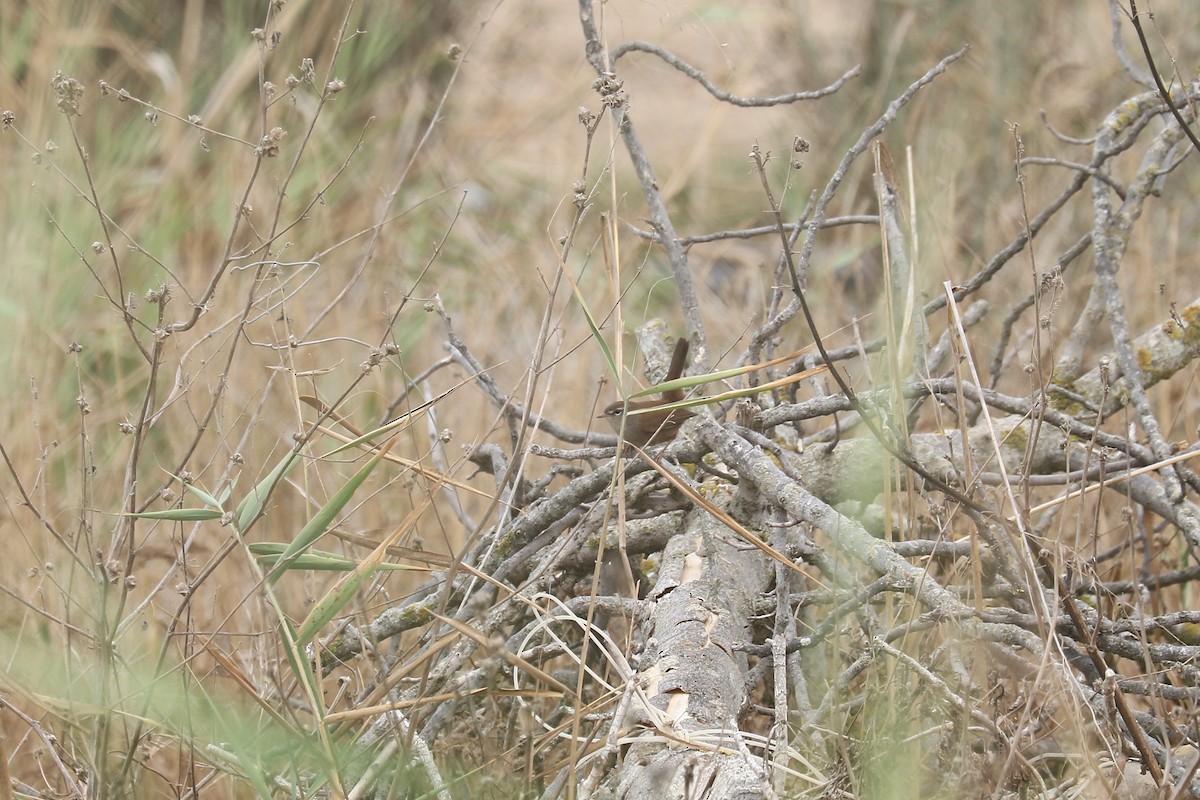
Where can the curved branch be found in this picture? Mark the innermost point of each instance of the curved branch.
(725, 97)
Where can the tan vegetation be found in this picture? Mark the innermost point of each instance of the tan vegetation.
(239, 235)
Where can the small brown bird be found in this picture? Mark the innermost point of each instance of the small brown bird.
(652, 427)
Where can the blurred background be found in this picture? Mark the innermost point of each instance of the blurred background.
(459, 121)
(481, 149)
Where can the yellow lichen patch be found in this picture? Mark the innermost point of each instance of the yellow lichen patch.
(1061, 402)
(1016, 437)
(1145, 359)
(1190, 335)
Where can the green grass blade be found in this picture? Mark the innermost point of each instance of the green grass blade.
(591, 321)
(320, 522)
(331, 605)
(699, 380)
(269, 553)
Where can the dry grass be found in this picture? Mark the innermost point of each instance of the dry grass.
(377, 221)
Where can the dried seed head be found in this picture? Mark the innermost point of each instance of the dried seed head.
(68, 92)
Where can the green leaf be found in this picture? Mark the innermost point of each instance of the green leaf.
(204, 496)
(253, 502)
(181, 514)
